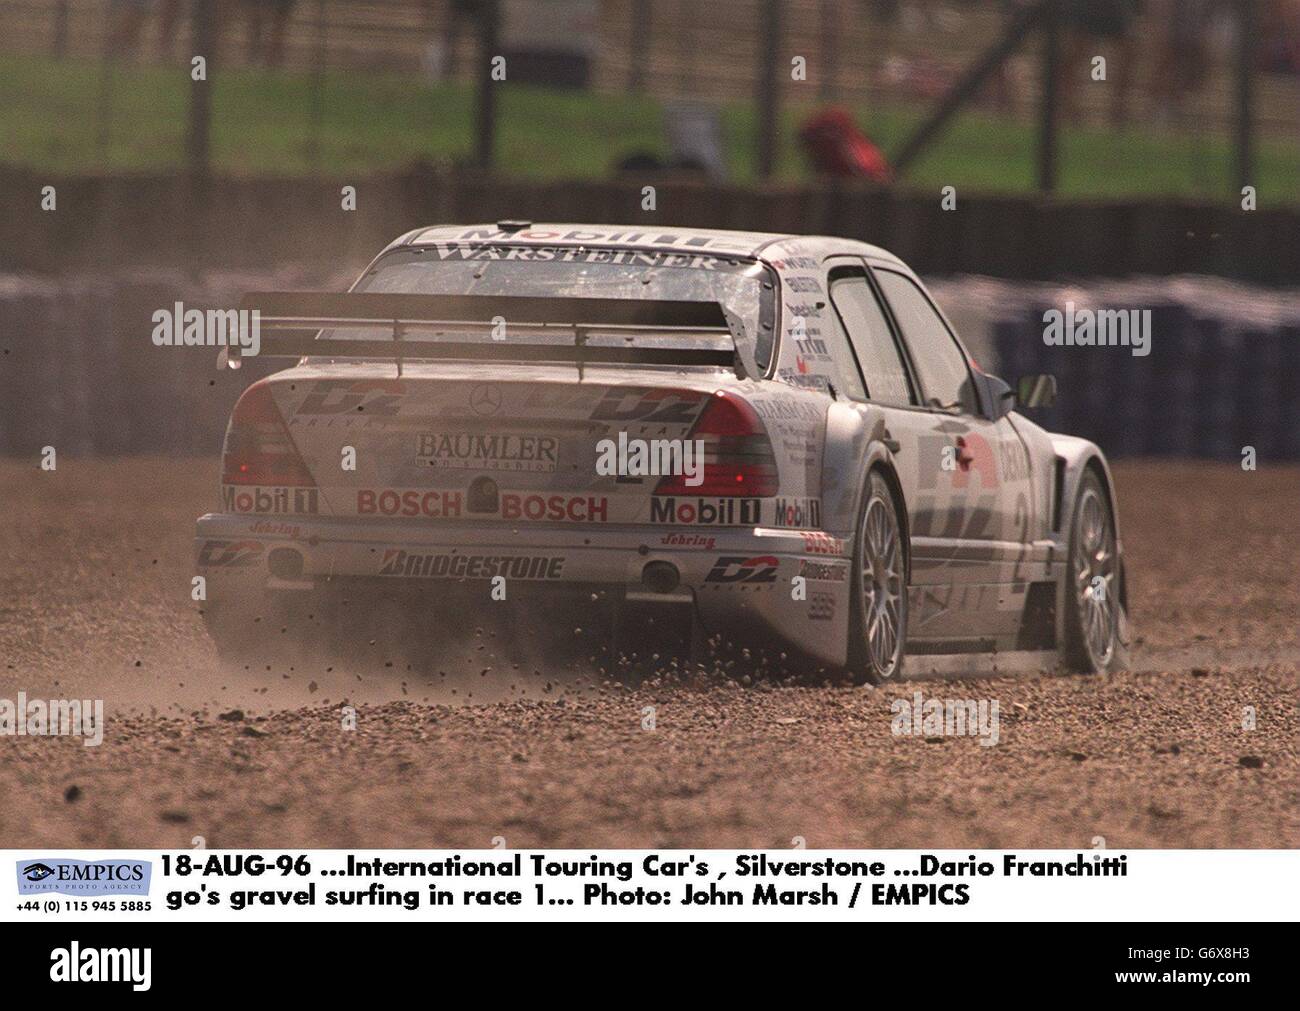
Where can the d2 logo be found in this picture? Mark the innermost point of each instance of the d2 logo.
(669, 406)
(759, 569)
(365, 396)
(228, 554)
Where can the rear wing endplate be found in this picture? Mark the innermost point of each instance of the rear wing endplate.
(289, 322)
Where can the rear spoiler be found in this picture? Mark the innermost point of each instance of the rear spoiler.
(290, 320)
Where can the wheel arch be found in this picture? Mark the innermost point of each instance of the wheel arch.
(1096, 464)
(853, 450)
(877, 463)
(1080, 457)
(885, 468)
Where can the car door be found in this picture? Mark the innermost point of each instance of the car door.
(974, 516)
(885, 392)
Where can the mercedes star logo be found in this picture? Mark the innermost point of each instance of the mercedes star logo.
(484, 399)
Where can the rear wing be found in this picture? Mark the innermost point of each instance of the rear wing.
(289, 322)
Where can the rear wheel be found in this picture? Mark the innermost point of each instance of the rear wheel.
(1092, 587)
(879, 623)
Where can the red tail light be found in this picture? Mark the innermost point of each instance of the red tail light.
(259, 449)
(738, 459)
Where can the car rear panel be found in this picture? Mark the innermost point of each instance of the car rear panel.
(445, 443)
(463, 475)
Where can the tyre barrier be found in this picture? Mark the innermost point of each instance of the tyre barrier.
(1210, 387)
(78, 370)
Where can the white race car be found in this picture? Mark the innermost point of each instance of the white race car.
(762, 437)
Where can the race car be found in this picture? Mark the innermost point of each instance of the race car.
(760, 437)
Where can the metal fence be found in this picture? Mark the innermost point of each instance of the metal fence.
(1179, 64)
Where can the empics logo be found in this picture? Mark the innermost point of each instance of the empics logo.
(75, 964)
(83, 877)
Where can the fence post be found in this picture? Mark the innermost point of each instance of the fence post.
(486, 110)
(61, 30)
(318, 86)
(1245, 93)
(768, 94)
(1027, 20)
(638, 50)
(1048, 101)
(105, 111)
(203, 33)
(830, 52)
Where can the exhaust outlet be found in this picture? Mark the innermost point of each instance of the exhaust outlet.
(660, 577)
(285, 563)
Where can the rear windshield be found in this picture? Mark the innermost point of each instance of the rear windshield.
(742, 287)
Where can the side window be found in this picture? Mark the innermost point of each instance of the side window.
(878, 354)
(823, 337)
(945, 378)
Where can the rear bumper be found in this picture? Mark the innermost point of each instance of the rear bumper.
(747, 581)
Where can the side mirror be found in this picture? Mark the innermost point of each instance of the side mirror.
(1000, 396)
(1036, 391)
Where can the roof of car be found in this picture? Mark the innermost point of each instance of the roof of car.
(666, 237)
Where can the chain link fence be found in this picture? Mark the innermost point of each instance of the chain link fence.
(313, 69)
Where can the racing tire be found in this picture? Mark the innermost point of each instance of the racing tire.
(1093, 605)
(878, 617)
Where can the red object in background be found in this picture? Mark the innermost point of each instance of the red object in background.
(837, 147)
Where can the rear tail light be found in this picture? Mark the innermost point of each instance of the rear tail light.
(259, 449)
(738, 458)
